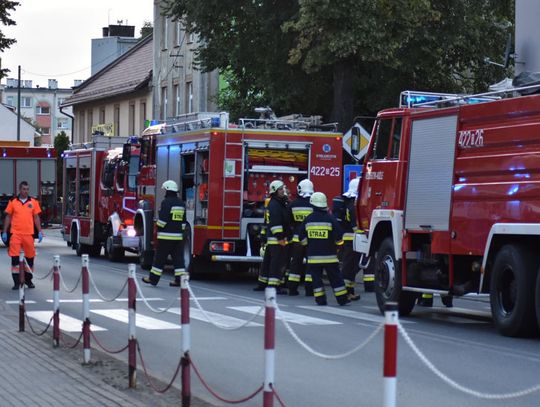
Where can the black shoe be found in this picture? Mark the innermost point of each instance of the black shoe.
(425, 302)
(369, 287)
(447, 300)
(174, 283)
(321, 302)
(309, 292)
(147, 280)
(293, 292)
(343, 301)
(30, 284)
(260, 287)
(281, 291)
(15, 287)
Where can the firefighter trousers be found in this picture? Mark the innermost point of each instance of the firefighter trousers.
(336, 281)
(273, 266)
(350, 265)
(174, 248)
(298, 267)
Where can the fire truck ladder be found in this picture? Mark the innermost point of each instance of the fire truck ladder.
(233, 185)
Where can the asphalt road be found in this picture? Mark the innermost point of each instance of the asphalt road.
(461, 341)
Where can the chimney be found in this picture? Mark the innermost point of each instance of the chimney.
(77, 82)
(105, 32)
(53, 84)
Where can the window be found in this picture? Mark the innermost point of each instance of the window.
(191, 38)
(382, 139)
(90, 122)
(142, 115)
(176, 100)
(164, 102)
(62, 123)
(82, 137)
(45, 131)
(26, 101)
(178, 34)
(10, 101)
(43, 110)
(189, 97)
(102, 115)
(131, 119)
(396, 138)
(60, 101)
(164, 32)
(116, 120)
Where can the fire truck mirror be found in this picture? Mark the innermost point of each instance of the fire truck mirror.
(126, 152)
(355, 140)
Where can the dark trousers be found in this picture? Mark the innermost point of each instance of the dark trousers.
(298, 267)
(350, 261)
(336, 281)
(28, 271)
(273, 265)
(174, 248)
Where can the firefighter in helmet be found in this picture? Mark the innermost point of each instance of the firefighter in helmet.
(277, 227)
(170, 236)
(322, 234)
(299, 209)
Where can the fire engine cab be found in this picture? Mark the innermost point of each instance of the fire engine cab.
(223, 171)
(36, 165)
(100, 196)
(449, 204)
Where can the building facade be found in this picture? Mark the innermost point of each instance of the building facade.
(116, 41)
(178, 86)
(8, 128)
(117, 100)
(41, 107)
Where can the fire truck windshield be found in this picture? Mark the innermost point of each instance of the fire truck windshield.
(133, 172)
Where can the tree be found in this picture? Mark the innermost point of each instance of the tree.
(5, 19)
(347, 57)
(61, 144)
(146, 29)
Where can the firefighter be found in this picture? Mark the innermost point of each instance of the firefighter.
(170, 236)
(346, 215)
(22, 219)
(322, 234)
(277, 238)
(299, 209)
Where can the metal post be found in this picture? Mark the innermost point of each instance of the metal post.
(56, 301)
(19, 104)
(390, 353)
(269, 345)
(86, 308)
(186, 340)
(22, 268)
(132, 341)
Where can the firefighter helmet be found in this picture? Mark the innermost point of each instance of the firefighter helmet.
(275, 185)
(353, 188)
(305, 188)
(318, 199)
(170, 185)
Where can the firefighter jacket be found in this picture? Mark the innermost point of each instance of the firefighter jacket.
(299, 209)
(321, 232)
(277, 221)
(172, 219)
(348, 221)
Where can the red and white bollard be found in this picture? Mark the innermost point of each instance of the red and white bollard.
(269, 345)
(390, 353)
(56, 301)
(22, 268)
(132, 341)
(186, 340)
(86, 308)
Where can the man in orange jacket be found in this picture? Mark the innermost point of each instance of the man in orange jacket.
(22, 215)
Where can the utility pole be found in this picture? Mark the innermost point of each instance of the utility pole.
(19, 104)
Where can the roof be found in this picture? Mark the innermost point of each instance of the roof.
(129, 72)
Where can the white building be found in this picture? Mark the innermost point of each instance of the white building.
(8, 127)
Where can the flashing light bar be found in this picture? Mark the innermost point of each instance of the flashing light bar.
(429, 99)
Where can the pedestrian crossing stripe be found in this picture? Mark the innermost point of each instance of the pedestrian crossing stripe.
(363, 316)
(97, 300)
(289, 316)
(67, 323)
(141, 321)
(219, 319)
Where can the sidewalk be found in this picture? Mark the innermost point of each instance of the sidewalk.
(34, 373)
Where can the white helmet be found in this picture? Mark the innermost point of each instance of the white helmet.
(305, 188)
(275, 185)
(170, 185)
(318, 199)
(353, 188)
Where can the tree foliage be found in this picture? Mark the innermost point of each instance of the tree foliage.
(5, 18)
(61, 144)
(340, 58)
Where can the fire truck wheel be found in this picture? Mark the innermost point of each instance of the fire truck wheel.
(537, 300)
(512, 291)
(388, 280)
(145, 256)
(115, 254)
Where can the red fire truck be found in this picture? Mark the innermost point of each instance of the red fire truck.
(100, 196)
(37, 165)
(223, 172)
(450, 204)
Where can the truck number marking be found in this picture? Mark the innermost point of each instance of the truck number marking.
(375, 175)
(471, 138)
(319, 171)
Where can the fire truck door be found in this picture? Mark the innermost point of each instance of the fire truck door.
(380, 175)
(431, 167)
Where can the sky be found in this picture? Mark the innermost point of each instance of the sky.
(54, 36)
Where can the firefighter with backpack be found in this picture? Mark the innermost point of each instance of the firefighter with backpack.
(321, 233)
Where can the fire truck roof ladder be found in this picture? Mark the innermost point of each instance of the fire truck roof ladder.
(293, 122)
(231, 211)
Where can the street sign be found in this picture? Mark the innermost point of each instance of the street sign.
(364, 142)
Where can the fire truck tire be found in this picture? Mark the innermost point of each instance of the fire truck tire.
(94, 250)
(537, 300)
(112, 253)
(145, 257)
(388, 280)
(512, 291)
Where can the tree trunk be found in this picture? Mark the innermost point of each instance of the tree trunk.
(343, 106)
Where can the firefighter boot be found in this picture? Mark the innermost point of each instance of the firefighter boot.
(151, 279)
(293, 288)
(309, 289)
(351, 295)
(426, 300)
(320, 300)
(175, 282)
(447, 300)
(369, 286)
(15, 277)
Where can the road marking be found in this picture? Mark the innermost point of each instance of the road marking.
(67, 323)
(219, 319)
(17, 301)
(142, 321)
(363, 316)
(209, 298)
(79, 301)
(289, 317)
